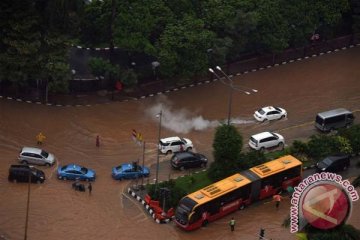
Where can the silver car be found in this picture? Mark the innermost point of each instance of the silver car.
(36, 156)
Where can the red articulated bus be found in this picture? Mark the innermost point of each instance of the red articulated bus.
(237, 191)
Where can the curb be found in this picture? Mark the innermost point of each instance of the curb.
(184, 86)
(147, 207)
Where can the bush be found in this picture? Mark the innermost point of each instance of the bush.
(227, 147)
(251, 159)
(175, 195)
(353, 135)
(321, 146)
(299, 148)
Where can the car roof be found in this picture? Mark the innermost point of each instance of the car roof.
(170, 139)
(184, 154)
(336, 157)
(126, 166)
(334, 112)
(31, 150)
(262, 135)
(73, 167)
(269, 108)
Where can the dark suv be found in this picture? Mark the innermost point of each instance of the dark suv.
(20, 173)
(334, 163)
(184, 160)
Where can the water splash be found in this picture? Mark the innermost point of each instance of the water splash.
(184, 121)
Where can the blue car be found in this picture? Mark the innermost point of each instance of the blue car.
(129, 171)
(73, 172)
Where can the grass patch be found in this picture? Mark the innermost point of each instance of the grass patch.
(193, 182)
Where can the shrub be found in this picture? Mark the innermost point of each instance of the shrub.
(299, 148)
(353, 135)
(320, 146)
(175, 195)
(251, 159)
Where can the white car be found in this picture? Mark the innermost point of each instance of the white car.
(36, 156)
(270, 113)
(264, 140)
(175, 144)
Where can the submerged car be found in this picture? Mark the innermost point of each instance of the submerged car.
(264, 140)
(334, 163)
(183, 160)
(129, 171)
(270, 113)
(76, 172)
(31, 155)
(25, 173)
(175, 144)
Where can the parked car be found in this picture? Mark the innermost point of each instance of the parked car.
(175, 144)
(74, 172)
(36, 156)
(129, 171)
(183, 160)
(334, 119)
(20, 173)
(270, 113)
(334, 163)
(264, 140)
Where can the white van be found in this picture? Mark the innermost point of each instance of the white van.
(334, 119)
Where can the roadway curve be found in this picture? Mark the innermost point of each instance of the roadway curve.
(303, 88)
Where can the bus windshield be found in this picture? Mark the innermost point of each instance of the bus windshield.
(185, 207)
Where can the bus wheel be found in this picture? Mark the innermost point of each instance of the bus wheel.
(205, 223)
(242, 207)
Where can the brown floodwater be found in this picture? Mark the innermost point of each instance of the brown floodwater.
(57, 212)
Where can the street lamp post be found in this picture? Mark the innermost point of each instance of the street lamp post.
(27, 207)
(158, 151)
(232, 88)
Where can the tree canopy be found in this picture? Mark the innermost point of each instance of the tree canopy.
(184, 36)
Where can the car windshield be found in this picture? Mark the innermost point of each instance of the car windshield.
(163, 143)
(183, 140)
(261, 111)
(253, 140)
(63, 168)
(327, 161)
(319, 120)
(275, 135)
(44, 154)
(84, 170)
(278, 109)
(119, 167)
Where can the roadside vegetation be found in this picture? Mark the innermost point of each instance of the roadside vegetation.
(229, 159)
(184, 37)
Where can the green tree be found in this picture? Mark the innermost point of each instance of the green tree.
(183, 46)
(103, 69)
(343, 232)
(251, 159)
(353, 135)
(320, 146)
(95, 23)
(20, 42)
(227, 147)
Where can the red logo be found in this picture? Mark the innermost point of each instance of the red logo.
(326, 206)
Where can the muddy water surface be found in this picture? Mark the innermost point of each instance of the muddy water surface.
(57, 212)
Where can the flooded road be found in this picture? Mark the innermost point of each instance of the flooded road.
(56, 211)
